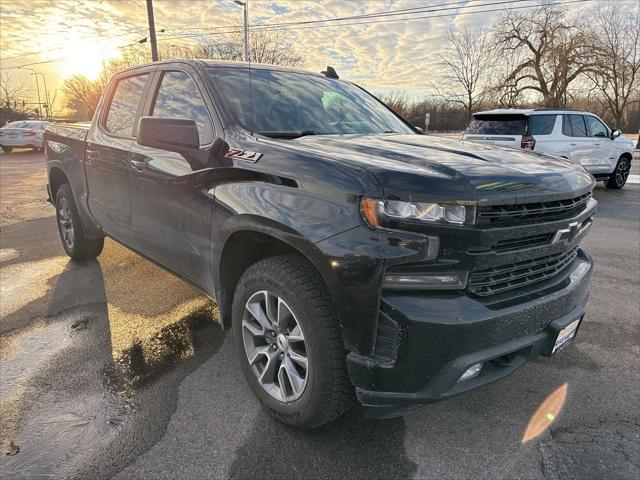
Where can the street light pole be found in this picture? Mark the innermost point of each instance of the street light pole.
(46, 95)
(245, 5)
(35, 74)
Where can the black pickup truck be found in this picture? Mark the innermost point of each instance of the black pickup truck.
(352, 256)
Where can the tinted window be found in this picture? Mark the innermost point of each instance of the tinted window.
(566, 126)
(124, 105)
(577, 126)
(595, 127)
(541, 124)
(289, 102)
(179, 97)
(498, 125)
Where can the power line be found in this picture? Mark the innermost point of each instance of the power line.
(277, 27)
(258, 27)
(432, 16)
(28, 54)
(308, 27)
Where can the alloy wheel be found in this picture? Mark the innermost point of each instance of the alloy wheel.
(275, 346)
(66, 222)
(622, 173)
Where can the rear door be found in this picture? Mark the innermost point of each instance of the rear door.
(505, 130)
(107, 155)
(171, 217)
(580, 145)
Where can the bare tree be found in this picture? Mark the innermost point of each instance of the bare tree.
(396, 101)
(616, 77)
(79, 89)
(14, 98)
(466, 68)
(555, 50)
(272, 47)
(502, 91)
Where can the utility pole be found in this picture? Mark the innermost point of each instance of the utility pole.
(245, 5)
(152, 31)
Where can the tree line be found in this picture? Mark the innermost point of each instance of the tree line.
(542, 57)
(538, 58)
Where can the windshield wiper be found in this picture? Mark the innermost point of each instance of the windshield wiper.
(289, 135)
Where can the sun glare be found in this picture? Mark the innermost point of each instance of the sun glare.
(86, 59)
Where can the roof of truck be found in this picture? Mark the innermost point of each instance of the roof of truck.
(225, 63)
(527, 111)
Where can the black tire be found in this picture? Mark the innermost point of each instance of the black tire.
(7, 149)
(80, 247)
(619, 177)
(328, 393)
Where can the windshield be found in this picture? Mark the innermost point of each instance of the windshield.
(498, 125)
(288, 104)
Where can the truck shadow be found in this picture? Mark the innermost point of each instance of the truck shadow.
(352, 447)
(96, 372)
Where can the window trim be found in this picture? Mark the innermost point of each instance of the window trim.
(155, 89)
(110, 93)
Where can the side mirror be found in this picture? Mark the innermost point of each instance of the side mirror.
(419, 129)
(615, 133)
(172, 134)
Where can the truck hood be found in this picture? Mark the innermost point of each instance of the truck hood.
(420, 167)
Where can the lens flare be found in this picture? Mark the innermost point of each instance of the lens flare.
(546, 413)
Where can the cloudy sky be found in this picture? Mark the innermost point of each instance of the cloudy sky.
(398, 52)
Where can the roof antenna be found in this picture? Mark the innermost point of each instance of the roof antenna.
(330, 72)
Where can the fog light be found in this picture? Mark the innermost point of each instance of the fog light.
(453, 280)
(472, 372)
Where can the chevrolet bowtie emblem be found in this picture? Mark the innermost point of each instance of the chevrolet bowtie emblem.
(568, 234)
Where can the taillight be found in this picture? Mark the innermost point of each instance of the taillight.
(28, 134)
(528, 142)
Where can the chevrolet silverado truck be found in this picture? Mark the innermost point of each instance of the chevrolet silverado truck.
(354, 258)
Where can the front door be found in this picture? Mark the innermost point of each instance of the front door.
(171, 216)
(604, 153)
(107, 157)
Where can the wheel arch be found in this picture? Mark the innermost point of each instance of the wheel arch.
(57, 178)
(251, 240)
(626, 155)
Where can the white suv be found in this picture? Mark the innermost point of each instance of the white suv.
(579, 136)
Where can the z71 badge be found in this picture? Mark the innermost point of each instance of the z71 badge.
(247, 156)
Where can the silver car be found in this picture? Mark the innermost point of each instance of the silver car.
(22, 134)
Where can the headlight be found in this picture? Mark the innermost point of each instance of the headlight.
(376, 212)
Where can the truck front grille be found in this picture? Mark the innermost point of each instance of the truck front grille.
(531, 212)
(516, 275)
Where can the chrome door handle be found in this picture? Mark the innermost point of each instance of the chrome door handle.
(138, 164)
(573, 144)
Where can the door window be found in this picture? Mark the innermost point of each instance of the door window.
(541, 124)
(124, 105)
(578, 127)
(179, 97)
(595, 127)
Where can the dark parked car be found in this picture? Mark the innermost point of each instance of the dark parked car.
(353, 257)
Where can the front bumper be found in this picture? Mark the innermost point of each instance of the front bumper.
(428, 341)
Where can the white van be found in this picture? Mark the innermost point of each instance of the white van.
(577, 135)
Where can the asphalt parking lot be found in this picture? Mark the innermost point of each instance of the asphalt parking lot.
(115, 368)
